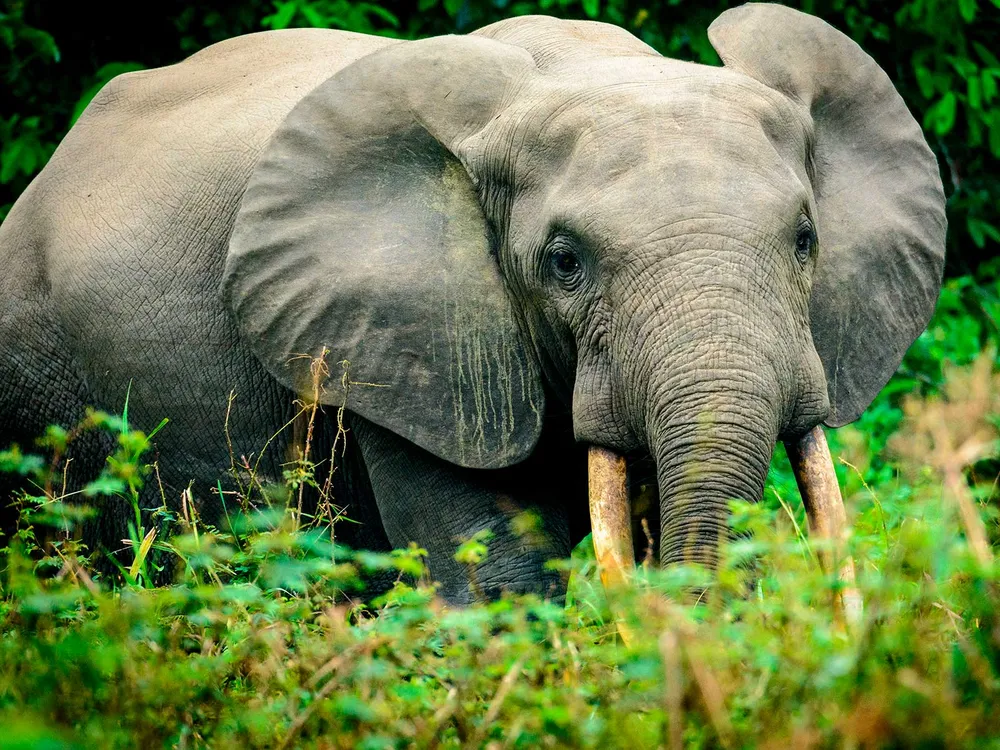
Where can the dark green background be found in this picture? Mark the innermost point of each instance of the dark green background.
(942, 54)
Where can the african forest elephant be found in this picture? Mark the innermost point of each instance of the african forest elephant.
(533, 239)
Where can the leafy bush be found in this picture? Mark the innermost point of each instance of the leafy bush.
(265, 640)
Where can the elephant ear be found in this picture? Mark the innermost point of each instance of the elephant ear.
(361, 232)
(881, 206)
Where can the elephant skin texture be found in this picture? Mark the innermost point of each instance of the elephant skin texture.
(530, 239)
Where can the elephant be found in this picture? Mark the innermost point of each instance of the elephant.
(542, 250)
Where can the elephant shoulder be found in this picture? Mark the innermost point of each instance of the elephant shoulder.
(275, 68)
(160, 158)
(205, 119)
(137, 202)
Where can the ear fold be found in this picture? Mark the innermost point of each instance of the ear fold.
(361, 231)
(880, 201)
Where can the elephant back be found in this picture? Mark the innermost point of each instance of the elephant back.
(127, 226)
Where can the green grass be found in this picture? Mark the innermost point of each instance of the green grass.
(267, 639)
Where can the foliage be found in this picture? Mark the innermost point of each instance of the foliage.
(262, 640)
(941, 54)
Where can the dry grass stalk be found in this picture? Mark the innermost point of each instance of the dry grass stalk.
(672, 689)
(329, 669)
(506, 684)
(951, 432)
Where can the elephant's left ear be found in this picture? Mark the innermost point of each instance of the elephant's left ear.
(361, 232)
(880, 201)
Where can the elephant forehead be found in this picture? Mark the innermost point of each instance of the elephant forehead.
(700, 124)
(620, 179)
(676, 94)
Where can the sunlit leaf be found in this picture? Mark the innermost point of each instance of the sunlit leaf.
(941, 115)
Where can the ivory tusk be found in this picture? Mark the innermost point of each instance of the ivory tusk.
(610, 520)
(817, 480)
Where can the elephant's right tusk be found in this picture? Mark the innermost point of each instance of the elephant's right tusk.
(610, 520)
(817, 480)
(610, 516)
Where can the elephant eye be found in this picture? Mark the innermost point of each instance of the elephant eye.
(805, 241)
(566, 266)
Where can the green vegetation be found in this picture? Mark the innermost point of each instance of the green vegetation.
(267, 637)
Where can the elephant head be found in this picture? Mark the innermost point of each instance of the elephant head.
(697, 261)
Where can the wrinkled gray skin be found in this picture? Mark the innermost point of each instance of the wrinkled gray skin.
(540, 231)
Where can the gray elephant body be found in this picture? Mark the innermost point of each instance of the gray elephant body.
(115, 254)
(538, 232)
(112, 293)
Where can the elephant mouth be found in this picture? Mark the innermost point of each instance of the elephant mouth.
(611, 512)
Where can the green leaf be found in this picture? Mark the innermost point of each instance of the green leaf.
(313, 16)
(940, 117)
(163, 423)
(282, 17)
(29, 158)
(104, 485)
(41, 41)
(378, 10)
(975, 93)
(134, 443)
(963, 66)
(55, 437)
(10, 158)
(979, 230)
(13, 461)
(925, 81)
(968, 10)
(985, 55)
(451, 7)
(989, 84)
(592, 8)
(474, 551)
(30, 731)
(128, 394)
(103, 420)
(408, 561)
(63, 515)
(353, 708)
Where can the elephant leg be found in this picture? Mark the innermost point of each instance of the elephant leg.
(426, 500)
(40, 385)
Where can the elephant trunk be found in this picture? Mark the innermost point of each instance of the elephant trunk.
(701, 466)
(712, 443)
(709, 449)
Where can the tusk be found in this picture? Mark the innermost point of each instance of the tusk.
(611, 521)
(817, 480)
(610, 516)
